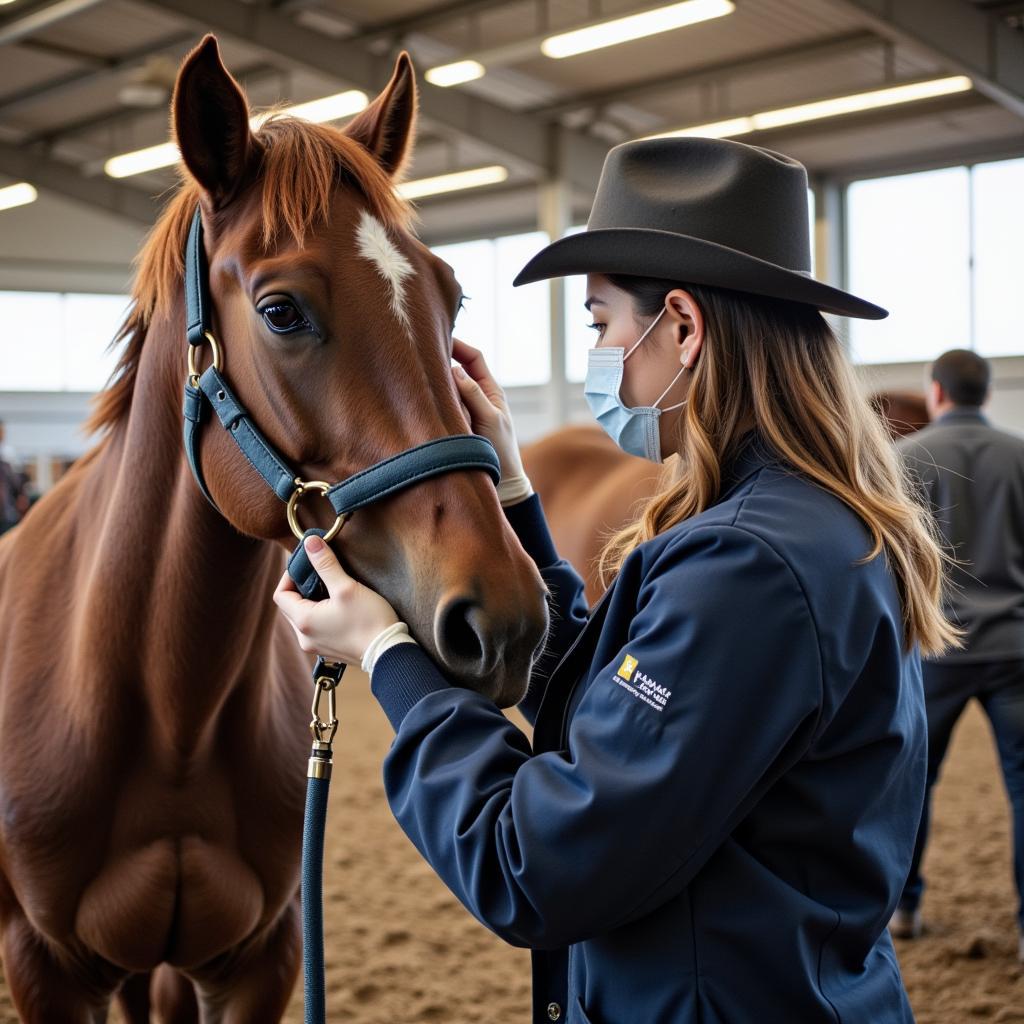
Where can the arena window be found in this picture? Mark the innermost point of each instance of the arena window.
(511, 326)
(947, 276)
(57, 341)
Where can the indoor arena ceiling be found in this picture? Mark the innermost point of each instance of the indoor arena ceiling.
(84, 80)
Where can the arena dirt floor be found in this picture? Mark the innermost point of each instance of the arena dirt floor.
(403, 951)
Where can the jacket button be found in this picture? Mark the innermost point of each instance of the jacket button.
(554, 1011)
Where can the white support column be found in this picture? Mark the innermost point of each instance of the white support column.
(829, 238)
(554, 211)
(44, 472)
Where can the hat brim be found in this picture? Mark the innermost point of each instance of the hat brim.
(647, 252)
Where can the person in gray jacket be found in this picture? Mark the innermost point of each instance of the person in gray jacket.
(972, 476)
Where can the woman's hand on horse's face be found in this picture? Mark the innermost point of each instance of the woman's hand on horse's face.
(340, 627)
(486, 405)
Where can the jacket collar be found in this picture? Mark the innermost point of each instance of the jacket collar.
(961, 413)
(752, 453)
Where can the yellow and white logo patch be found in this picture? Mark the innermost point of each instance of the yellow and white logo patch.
(627, 667)
(641, 685)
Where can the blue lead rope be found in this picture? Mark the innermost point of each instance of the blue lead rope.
(312, 900)
(326, 676)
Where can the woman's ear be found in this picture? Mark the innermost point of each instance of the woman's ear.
(210, 115)
(387, 127)
(688, 320)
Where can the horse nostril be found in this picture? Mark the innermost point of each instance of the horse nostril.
(459, 631)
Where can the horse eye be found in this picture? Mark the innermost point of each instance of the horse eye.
(283, 318)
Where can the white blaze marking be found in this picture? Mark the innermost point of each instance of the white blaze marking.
(376, 245)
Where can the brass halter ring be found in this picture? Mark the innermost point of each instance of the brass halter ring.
(301, 486)
(193, 371)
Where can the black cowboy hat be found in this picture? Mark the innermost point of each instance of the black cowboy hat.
(700, 211)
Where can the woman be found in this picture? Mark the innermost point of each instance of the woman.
(718, 811)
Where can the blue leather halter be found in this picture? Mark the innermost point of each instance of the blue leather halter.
(209, 390)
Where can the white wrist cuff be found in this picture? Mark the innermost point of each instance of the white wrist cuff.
(396, 633)
(514, 488)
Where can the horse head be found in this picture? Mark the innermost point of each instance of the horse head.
(335, 323)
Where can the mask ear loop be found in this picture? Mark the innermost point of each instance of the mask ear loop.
(674, 379)
(678, 405)
(644, 335)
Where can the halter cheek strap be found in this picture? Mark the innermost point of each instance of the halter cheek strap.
(212, 391)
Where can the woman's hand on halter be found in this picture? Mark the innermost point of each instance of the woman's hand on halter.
(485, 402)
(340, 627)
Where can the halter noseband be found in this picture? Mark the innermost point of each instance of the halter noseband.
(210, 389)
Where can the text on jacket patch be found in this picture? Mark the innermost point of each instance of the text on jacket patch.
(640, 685)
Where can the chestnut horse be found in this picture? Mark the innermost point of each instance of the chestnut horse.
(590, 488)
(154, 706)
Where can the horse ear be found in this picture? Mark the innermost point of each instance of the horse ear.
(387, 126)
(211, 122)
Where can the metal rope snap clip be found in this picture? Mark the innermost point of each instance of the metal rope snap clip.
(323, 730)
(326, 676)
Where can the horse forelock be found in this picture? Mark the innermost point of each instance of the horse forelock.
(300, 164)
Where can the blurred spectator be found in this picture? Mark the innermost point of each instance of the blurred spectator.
(7, 452)
(972, 476)
(14, 499)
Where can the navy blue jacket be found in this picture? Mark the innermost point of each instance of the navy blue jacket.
(718, 812)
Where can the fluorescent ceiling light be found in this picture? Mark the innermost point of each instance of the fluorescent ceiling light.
(836, 107)
(863, 101)
(328, 108)
(491, 175)
(634, 26)
(456, 73)
(715, 130)
(17, 195)
(142, 160)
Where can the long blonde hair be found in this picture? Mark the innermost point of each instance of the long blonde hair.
(782, 364)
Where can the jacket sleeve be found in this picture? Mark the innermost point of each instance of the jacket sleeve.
(567, 605)
(723, 695)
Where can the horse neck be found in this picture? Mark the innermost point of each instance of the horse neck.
(183, 598)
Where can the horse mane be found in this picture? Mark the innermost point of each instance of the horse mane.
(301, 164)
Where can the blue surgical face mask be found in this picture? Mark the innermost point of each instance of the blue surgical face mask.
(633, 430)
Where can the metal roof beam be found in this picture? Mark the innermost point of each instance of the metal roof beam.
(76, 79)
(970, 41)
(520, 136)
(832, 48)
(982, 151)
(66, 180)
(26, 22)
(959, 103)
(430, 18)
(122, 115)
